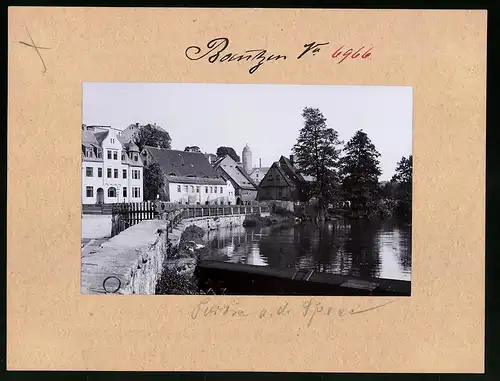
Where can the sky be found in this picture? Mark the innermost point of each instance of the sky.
(266, 117)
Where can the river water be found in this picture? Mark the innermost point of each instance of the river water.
(380, 249)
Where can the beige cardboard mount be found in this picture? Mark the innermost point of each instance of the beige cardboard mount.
(50, 325)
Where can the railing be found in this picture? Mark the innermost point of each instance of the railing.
(125, 215)
(214, 211)
(129, 214)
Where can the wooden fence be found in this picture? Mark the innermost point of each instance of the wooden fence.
(128, 214)
(125, 215)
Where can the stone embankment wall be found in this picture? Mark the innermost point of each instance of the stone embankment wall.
(133, 260)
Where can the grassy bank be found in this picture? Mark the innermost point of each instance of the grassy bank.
(178, 269)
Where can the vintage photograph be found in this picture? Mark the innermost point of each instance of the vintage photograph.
(246, 189)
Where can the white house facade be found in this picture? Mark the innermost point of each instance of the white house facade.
(186, 193)
(112, 171)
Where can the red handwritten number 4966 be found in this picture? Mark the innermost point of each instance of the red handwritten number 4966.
(349, 53)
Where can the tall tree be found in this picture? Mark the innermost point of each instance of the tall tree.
(403, 182)
(153, 181)
(316, 154)
(223, 151)
(153, 136)
(360, 170)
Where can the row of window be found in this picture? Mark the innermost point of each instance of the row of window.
(270, 177)
(191, 188)
(114, 154)
(112, 192)
(89, 171)
(89, 152)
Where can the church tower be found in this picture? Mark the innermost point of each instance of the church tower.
(246, 158)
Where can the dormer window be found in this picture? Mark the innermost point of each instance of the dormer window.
(99, 154)
(136, 158)
(123, 157)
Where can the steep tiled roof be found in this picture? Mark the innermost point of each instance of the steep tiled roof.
(132, 147)
(185, 167)
(290, 169)
(89, 138)
(100, 136)
(235, 173)
(289, 172)
(283, 174)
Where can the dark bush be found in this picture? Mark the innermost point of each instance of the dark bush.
(192, 233)
(257, 220)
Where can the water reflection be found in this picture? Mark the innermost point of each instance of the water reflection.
(361, 249)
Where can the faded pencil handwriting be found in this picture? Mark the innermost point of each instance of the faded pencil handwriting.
(309, 310)
(36, 47)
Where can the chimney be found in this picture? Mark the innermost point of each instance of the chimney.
(292, 159)
(260, 163)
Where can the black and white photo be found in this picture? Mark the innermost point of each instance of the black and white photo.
(246, 189)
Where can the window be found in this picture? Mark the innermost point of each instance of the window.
(277, 177)
(112, 192)
(211, 190)
(178, 188)
(215, 189)
(136, 174)
(99, 172)
(197, 189)
(116, 173)
(221, 191)
(115, 155)
(192, 189)
(123, 157)
(99, 154)
(112, 140)
(109, 173)
(206, 189)
(89, 171)
(136, 192)
(124, 173)
(124, 191)
(185, 188)
(90, 191)
(109, 154)
(136, 158)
